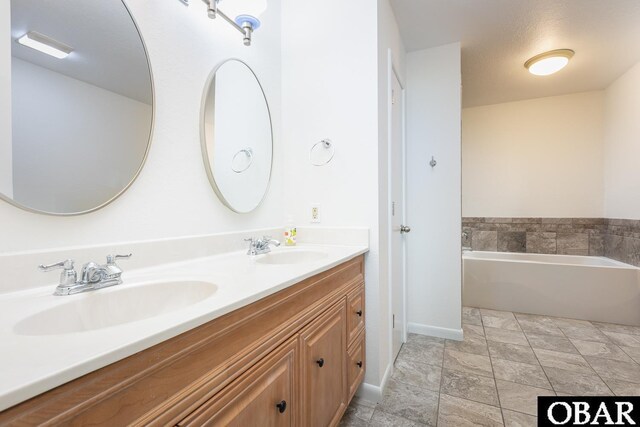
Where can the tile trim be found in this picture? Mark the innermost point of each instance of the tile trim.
(435, 331)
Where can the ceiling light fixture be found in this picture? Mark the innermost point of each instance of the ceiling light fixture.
(241, 14)
(549, 62)
(45, 44)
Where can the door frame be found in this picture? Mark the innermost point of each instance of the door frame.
(391, 72)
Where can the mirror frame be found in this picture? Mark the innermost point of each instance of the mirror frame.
(146, 152)
(210, 87)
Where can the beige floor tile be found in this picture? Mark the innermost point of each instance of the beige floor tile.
(457, 412)
(622, 388)
(540, 327)
(633, 352)
(600, 349)
(505, 335)
(571, 323)
(497, 313)
(551, 342)
(520, 397)
(621, 329)
(623, 340)
(518, 419)
(577, 384)
(516, 353)
(606, 368)
(410, 402)
(424, 352)
(585, 334)
(467, 362)
(522, 373)
(357, 415)
(469, 386)
(471, 316)
(383, 419)
(566, 361)
(472, 331)
(500, 322)
(419, 374)
(469, 345)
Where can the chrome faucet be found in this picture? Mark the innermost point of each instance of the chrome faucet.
(260, 246)
(93, 276)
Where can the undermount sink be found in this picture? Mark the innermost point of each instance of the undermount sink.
(291, 256)
(115, 306)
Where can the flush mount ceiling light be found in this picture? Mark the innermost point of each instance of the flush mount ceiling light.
(549, 62)
(45, 44)
(241, 14)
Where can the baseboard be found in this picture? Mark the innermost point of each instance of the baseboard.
(435, 331)
(373, 393)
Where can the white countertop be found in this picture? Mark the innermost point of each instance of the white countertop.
(33, 364)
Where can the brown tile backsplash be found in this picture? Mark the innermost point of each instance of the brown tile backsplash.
(618, 239)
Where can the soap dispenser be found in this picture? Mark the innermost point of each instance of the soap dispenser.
(290, 233)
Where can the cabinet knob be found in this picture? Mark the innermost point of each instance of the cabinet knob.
(359, 364)
(282, 406)
(320, 362)
(359, 313)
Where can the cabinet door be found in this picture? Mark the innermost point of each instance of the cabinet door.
(356, 364)
(262, 396)
(324, 376)
(355, 313)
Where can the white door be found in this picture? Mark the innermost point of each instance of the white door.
(398, 229)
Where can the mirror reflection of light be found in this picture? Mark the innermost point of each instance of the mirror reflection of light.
(45, 45)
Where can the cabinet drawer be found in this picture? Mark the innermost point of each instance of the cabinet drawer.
(323, 368)
(355, 312)
(356, 364)
(263, 396)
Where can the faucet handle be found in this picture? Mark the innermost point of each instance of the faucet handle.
(67, 264)
(111, 259)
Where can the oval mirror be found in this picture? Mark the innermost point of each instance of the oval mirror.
(76, 105)
(237, 138)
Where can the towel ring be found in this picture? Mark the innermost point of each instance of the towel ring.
(315, 148)
(249, 153)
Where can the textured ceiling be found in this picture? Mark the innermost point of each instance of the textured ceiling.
(108, 52)
(498, 36)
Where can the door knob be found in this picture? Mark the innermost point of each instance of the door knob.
(405, 229)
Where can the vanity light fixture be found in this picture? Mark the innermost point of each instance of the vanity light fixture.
(241, 14)
(45, 44)
(549, 62)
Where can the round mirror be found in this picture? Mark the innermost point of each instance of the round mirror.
(76, 105)
(237, 139)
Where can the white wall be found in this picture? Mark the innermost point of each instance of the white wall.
(535, 158)
(331, 89)
(6, 172)
(172, 197)
(433, 194)
(64, 129)
(622, 146)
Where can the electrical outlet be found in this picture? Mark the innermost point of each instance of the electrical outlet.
(315, 213)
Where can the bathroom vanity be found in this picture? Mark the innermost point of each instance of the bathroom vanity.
(293, 357)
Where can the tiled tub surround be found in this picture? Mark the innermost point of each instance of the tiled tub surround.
(495, 375)
(219, 259)
(617, 239)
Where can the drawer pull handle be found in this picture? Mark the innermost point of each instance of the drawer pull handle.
(359, 313)
(359, 364)
(320, 362)
(282, 406)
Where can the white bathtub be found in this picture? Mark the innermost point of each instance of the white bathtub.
(577, 287)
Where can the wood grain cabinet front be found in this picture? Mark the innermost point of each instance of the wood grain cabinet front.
(324, 379)
(285, 360)
(263, 396)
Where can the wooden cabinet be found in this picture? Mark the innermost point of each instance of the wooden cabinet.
(324, 379)
(355, 312)
(263, 396)
(285, 360)
(356, 364)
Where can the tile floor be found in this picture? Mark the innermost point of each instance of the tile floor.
(494, 376)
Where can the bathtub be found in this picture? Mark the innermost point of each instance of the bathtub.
(577, 287)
